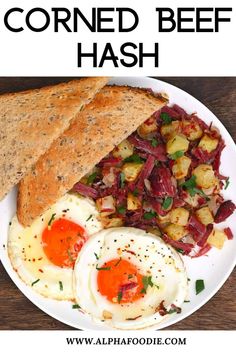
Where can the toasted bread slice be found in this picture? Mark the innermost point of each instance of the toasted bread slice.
(31, 120)
(113, 115)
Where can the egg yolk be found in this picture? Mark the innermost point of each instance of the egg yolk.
(62, 241)
(120, 281)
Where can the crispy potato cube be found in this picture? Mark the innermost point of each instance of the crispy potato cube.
(154, 230)
(192, 201)
(208, 144)
(181, 166)
(131, 170)
(176, 232)
(112, 222)
(205, 215)
(148, 127)
(169, 130)
(217, 238)
(179, 216)
(133, 203)
(106, 205)
(205, 176)
(177, 143)
(123, 150)
(191, 129)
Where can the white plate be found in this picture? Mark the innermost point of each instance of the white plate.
(214, 269)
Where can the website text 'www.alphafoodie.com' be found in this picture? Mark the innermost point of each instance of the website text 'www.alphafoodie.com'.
(152, 341)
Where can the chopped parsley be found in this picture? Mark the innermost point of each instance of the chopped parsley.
(147, 281)
(121, 209)
(166, 118)
(90, 216)
(167, 203)
(134, 158)
(76, 306)
(136, 192)
(227, 182)
(149, 215)
(51, 219)
(119, 296)
(92, 178)
(199, 286)
(176, 155)
(35, 282)
(103, 268)
(190, 186)
(180, 250)
(174, 310)
(122, 180)
(154, 142)
(60, 285)
(95, 254)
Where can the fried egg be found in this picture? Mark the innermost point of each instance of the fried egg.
(129, 278)
(44, 254)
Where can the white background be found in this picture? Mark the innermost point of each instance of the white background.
(181, 54)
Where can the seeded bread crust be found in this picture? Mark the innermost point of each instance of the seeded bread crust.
(31, 120)
(112, 116)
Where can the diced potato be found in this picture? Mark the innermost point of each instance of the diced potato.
(133, 203)
(177, 143)
(112, 222)
(106, 205)
(208, 144)
(217, 239)
(148, 127)
(191, 129)
(205, 176)
(131, 170)
(179, 216)
(169, 130)
(163, 219)
(181, 166)
(176, 232)
(205, 215)
(123, 150)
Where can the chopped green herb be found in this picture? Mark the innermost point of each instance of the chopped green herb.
(122, 180)
(35, 282)
(95, 254)
(167, 203)
(174, 310)
(136, 192)
(176, 155)
(166, 118)
(76, 306)
(154, 142)
(121, 209)
(103, 268)
(90, 216)
(117, 263)
(179, 250)
(146, 280)
(119, 296)
(51, 219)
(60, 286)
(227, 182)
(190, 183)
(199, 286)
(69, 255)
(186, 301)
(149, 215)
(92, 178)
(134, 158)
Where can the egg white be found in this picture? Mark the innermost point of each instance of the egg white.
(26, 252)
(152, 257)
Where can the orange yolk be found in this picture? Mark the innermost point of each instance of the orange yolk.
(62, 242)
(120, 281)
